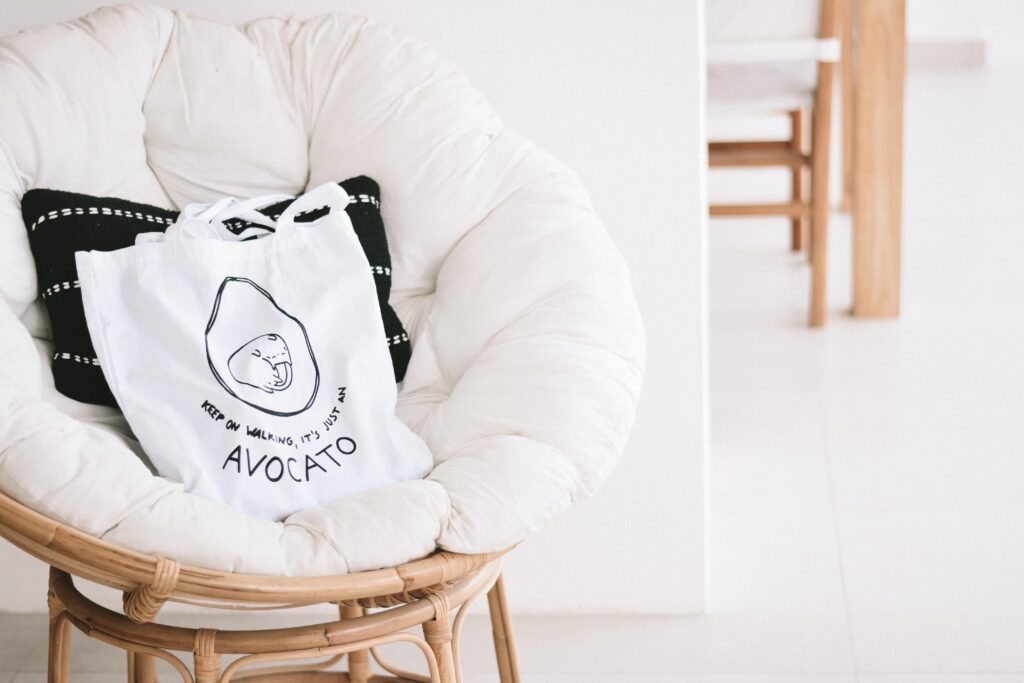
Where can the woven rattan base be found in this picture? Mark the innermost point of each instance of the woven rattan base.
(376, 607)
(267, 655)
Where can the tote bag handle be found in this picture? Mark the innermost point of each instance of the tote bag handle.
(206, 221)
(331, 195)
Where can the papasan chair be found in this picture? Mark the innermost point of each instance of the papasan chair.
(527, 346)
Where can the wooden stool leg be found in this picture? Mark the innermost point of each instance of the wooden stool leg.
(504, 640)
(359, 670)
(821, 134)
(58, 664)
(438, 634)
(141, 668)
(796, 141)
(846, 100)
(205, 657)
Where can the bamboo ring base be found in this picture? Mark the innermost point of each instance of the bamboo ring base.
(318, 677)
(357, 635)
(421, 593)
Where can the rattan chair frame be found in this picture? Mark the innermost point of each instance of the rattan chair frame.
(421, 593)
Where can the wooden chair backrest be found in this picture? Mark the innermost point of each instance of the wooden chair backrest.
(739, 21)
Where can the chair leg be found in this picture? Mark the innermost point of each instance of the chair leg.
(820, 146)
(796, 141)
(504, 639)
(141, 668)
(849, 128)
(359, 669)
(205, 657)
(58, 664)
(438, 634)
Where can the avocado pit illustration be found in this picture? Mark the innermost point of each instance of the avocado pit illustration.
(258, 352)
(264, 363)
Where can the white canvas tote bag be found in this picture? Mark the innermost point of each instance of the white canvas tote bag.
(255, 372)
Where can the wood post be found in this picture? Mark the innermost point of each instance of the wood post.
(438, 634)
(58, 663)
(359, 670)
(846, 78)
(141, 668)
(504, 639)
(820, 209)
(796, 142)
(821, 140)
(878, 157)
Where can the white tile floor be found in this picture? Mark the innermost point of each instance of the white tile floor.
(867, 478)
(867, 512)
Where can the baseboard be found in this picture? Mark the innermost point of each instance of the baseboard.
(947, 52)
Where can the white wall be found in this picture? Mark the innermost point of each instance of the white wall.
(930, 19)
(948, 32)
(616, 94)
(1005, 32)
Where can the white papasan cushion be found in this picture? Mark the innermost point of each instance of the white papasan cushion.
(528, 350)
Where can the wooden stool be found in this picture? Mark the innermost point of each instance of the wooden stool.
(802, 210)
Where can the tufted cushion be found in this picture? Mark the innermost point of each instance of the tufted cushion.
(528, 348)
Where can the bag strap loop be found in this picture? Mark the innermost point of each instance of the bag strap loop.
(206, 221)
(331, 195)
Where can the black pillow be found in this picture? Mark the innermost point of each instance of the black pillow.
(61, 223)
